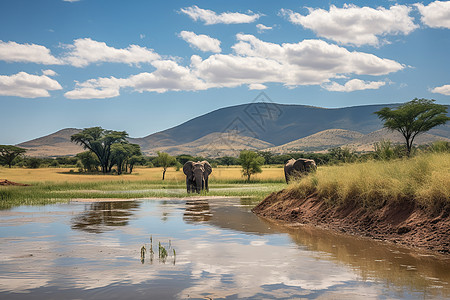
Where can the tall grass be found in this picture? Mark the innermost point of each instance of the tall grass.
(424, 179)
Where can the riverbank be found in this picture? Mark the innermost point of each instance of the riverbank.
(401, 222)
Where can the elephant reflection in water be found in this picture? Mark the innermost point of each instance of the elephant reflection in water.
(197, 211)
(297, 168)
(197, 174)
(99, 215)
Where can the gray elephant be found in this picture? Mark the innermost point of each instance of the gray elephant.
(197, 175)
(296, 168)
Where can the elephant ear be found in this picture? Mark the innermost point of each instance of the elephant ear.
(299, 165)
(290, 162)
(187, 168)
(207, 167)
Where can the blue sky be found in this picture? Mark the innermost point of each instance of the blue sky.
(145, 66)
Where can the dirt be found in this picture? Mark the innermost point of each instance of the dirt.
(404, 223)
(7, 182)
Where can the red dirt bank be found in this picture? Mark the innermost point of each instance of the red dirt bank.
(403, 223)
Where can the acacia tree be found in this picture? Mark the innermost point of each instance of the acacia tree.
(8, 153)
(251, 163)
(99, 141)
(413, 118)
(164, 160)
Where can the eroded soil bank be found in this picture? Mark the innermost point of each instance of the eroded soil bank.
(403, 223)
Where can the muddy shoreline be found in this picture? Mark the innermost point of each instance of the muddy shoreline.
(403, 223)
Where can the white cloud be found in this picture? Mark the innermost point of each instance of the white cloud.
(353, 25)
(27, 86)
(256, 86)
(49, 72)
(202, 42)
(71, 1)
(28, 53)
(253, 63)
(436, 14)
(86, 51)
(168, 76)
(444, 90)
(262, 28)
(353, 85)
(210, 17)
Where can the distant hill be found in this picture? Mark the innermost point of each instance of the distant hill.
(257, 126)
(322, 140)
(55, 144)
(367, 142)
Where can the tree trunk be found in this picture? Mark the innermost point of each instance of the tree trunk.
(164, 173)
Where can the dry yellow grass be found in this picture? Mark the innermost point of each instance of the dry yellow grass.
(139, 174)
(425, 179)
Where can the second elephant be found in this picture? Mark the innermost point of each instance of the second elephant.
(197, 174)
(296, 168)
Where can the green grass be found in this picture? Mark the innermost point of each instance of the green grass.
(424, 179)
(41, 193)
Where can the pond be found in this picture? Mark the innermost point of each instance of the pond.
(222, 251)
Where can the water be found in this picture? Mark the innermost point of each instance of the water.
(93, 251)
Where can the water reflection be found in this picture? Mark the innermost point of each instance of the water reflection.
(98, 216)
(197, 211)
(372, 260)
(222, 251)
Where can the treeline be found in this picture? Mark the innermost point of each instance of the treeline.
(124, 157)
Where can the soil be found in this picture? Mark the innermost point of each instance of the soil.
(404, 223)
(7, 182)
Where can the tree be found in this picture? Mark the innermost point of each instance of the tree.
(413, 118)
(99, 141)
(89, 161)
(8, 153)
(136, 157)
(164, 160)
(251, 163)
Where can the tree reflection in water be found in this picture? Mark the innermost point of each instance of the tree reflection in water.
(98, 216)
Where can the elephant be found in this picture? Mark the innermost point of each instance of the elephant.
(197, 175)
(296, 168)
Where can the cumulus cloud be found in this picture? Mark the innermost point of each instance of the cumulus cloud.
(353, 25)
(168, 76)
(436, 14)
(444, 90)
(210, 17)
(253, 63)
(27, 53)
(27, 86)
(86, 51)
(353, 85)
(49, 72)
(202, 42)
(257, 86)
(262, 28)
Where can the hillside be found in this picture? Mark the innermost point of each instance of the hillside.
(322, 140)
(55, 144)
(257, 126)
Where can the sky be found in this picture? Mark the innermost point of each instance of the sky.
(145, 66)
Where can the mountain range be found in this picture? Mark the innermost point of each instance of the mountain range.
(279, 128)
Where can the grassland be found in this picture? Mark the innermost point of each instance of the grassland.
(49, 185)
(424, 179)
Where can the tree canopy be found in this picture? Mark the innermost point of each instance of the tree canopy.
(251, 163)
(164, 160)
(413, 118)
(8, 153)
(99, 141)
